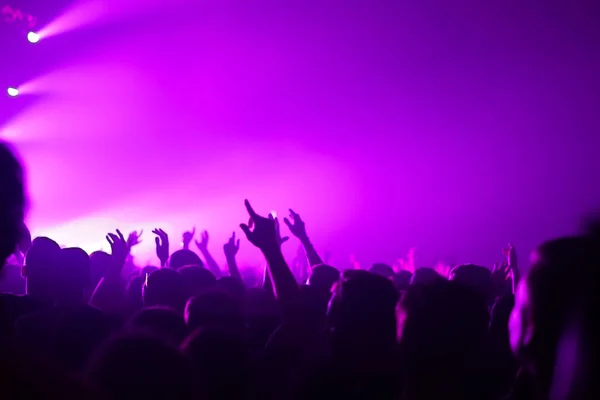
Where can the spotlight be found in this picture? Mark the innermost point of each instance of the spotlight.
(12, 92)
(33, 37)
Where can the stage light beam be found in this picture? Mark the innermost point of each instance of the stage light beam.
(33, 37)
(12, 92)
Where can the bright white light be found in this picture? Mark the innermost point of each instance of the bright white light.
(33, 37)
(274, 214)
(12, 92)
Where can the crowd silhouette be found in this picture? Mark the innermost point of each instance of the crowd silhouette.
(74, 325)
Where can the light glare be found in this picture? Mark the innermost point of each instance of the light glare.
(12, 92)
(33, 37)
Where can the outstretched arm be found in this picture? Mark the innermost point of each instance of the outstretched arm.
(109, 295)
(230, 249)
(265, 237)
(162, 246)
(210, 261)
(298, 229)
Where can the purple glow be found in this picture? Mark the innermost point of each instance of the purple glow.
(383, 127)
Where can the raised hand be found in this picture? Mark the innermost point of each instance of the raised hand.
(264, 235)
(500, 272)
(280, 240)
(162, 246)
(203, 243)
(231, 247)
(134, 238)
(298, 228)
(511, 256)
(510, 253)
(119, 249)
(187, 238)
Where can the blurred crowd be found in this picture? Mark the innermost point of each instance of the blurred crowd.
(78, 325)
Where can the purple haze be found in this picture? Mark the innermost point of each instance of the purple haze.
(386, 124)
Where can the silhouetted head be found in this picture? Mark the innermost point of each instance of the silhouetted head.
(41, 268)
(165, 287)
(402, 280)
(222, 362)
(99, 262)
(197, 279)
(184, 257)
(73, 275)
(383, 270)
(362, 312)
(476, 277)
(233, 287)
(12, 202)
(215, 310)
(323, 277)
(162, 322)
(424, 276)
(559, 276)
(140, 367)
(442, 328)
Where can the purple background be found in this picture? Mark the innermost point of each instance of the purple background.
(450, 126)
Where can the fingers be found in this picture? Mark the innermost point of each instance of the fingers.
(251, 211)
(139, 235)
(246, 229)
(113, 237)
(237, 244)
(293, 214)
(108, 239)
(193, 231)
(205, 235)
(284, 239)
(251, 223)
(120, 235)
(288, 223)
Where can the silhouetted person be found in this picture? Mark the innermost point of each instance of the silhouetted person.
(196, 279)
(139, 367)
(165, 323)
(362, 323)
(442, 328)
(383, 270)
(545, 301)
(165, 287)
(474, 276)
(424, 275)
(222, 363)
(184, 257)
(402, 280)
(215, 310)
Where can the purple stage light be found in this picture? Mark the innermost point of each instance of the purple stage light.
(33, 37)
(12, 92)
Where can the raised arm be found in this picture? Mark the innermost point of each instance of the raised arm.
(109, 295)
(162, 246)
(210, 261)
(187, 238)
(264, 236)
(511, 258)
(298, 229)
(230, 249)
